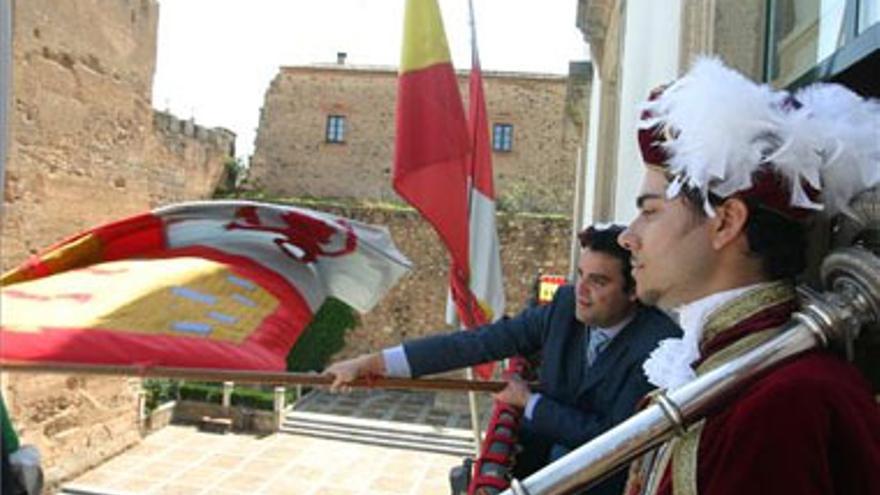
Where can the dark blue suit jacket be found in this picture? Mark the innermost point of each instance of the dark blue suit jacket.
(576, 406)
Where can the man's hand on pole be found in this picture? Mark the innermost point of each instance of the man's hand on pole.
(345, 372)
(516, 393)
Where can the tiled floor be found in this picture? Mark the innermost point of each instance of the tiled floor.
(183, 460)
(388, 405)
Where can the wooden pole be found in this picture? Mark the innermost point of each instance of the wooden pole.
(6, 9)
(254, 376)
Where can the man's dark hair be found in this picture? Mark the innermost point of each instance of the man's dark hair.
(779, 241)
(604, 240)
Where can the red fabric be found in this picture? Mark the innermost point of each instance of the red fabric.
(480, 163)
(810, 426)
(431, 147)
(430, 167)
(129, 237)
(651, 139)
(436, 152)
(772, 192)
(143, 233)
(265, 348)
(480, 175)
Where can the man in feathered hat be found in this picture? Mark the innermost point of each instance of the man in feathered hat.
(735, 171)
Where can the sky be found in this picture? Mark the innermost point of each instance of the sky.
(216, 58)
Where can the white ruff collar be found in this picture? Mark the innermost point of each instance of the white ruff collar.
(669, 365)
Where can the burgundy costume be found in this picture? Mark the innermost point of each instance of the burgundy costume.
(808, 426)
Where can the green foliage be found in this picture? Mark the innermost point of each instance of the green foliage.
(527, 196)
(254, 193)
(254, 398)
(202, 392)
(159, 391)
(323, 337)
(234, 170)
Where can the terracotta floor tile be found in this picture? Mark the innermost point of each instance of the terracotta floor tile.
(287, 486)
(203, 475)
(180, 459)
(305, 472)
(178, 489)
(221, 461)
(240, 481)
(283, 452)
(354, 480)
(432, 487)
(334, 491)
(158, 470)
(439, 471)
(135, 484)
(393, 484)
(97, 477)
(260, 467)
(182, 456)
(149, 449)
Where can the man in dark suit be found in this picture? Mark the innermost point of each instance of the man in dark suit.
(593, 338)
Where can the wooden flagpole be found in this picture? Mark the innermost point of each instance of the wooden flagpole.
(5, 84)
(254, 376)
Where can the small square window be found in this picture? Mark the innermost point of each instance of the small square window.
(502, 137)
(335, 128)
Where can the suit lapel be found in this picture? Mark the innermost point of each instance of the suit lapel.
(609, 358)
(576, 359)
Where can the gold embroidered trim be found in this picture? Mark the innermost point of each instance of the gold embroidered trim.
(746, 306)
(685, 453)
(684, 461)
(737, 349)
(640, 472)
(661, 463)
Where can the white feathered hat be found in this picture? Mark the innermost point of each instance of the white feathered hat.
(716, 131)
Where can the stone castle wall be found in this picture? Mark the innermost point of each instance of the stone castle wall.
(87, 148)
(292, 157)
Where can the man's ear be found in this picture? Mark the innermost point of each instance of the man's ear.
(729, 222)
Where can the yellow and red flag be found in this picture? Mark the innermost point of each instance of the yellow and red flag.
(432, 146)
(227, 284)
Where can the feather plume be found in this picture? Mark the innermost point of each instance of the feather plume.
(721, 128)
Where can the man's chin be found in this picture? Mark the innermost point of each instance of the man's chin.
(650, 297)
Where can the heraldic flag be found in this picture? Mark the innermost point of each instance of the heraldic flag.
(432, 144)
(225, 285)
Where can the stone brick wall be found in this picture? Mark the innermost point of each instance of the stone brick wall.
(86, 148)
(736, 31)
(292, 157)
(75, 421)
(416, 306)
(740, 35)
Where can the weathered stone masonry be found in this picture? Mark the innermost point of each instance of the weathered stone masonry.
(292, 157)
(86, 148)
